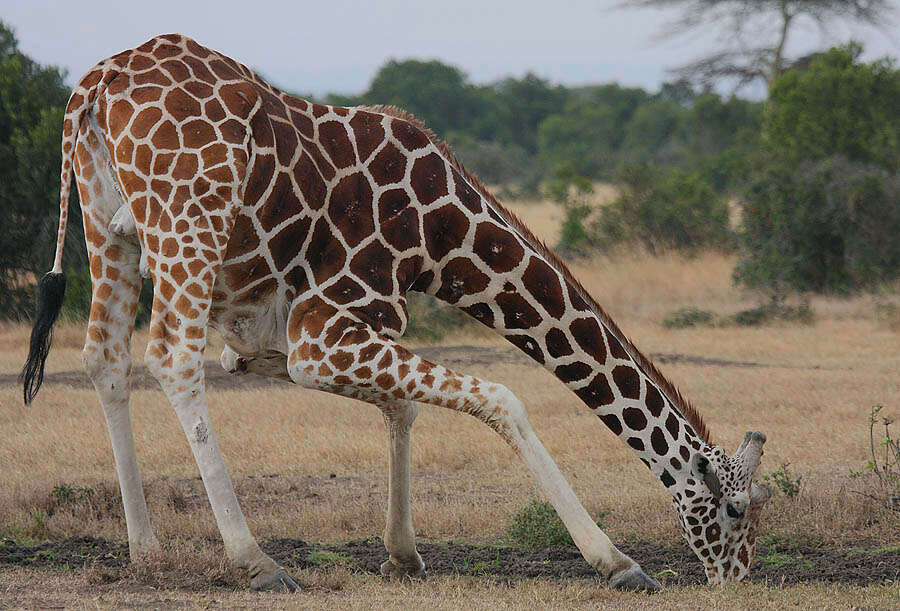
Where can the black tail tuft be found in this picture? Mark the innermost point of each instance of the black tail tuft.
(50, 301)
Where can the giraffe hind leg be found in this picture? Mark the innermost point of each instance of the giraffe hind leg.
(107, 354)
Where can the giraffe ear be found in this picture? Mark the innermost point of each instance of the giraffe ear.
(705, 472)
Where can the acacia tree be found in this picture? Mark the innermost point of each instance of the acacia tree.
(754, 33)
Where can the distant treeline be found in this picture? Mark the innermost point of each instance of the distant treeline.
(515, 132)
(814, 168)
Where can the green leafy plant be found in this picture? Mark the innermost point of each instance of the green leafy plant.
(663, 210)
(785, 481)
(883, 466)
(481, 568)
(538, 525)
(64, 494)
(325, 558)
(568, 188)
(779, 560)
(776, 309)
(688, 317)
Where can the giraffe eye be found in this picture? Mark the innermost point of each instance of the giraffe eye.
(732, 512)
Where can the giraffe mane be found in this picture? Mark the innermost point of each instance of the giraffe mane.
(644, 364)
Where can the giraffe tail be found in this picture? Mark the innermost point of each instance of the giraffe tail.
(52, 287)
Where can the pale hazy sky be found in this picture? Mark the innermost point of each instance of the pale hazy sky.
(336, 46)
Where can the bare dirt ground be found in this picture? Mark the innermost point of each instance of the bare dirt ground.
(676, 565)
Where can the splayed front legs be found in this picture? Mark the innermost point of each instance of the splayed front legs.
(404, 376)
(399, 535)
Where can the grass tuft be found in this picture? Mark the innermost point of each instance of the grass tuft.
(689, 317)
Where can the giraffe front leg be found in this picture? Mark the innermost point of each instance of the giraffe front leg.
(332, 353)
(399, 536)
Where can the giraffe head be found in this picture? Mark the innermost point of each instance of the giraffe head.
(719, 507)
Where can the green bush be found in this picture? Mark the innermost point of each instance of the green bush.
(569, 188)
(688, 317)
(538, 525)
(785, 481)
(837, 106)
(663, 211)
(824, 226)
(822, 207)
(775, 309)
(77, 302)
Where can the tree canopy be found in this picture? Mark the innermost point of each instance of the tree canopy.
(32, 101)
(754, 33)
(822, 210)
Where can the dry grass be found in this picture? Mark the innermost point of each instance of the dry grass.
(328, 590)
(311, 465)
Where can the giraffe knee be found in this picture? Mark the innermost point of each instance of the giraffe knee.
(400, 415)
(178, 370)
(504, 412)
(93, 359)
(107, 369)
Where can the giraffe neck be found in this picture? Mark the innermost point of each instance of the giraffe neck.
(534, 302)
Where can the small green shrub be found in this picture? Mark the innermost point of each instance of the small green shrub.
(785, 481)
(569, 189)
(659, 210)
(64, 494)
(775, 309)
(538, 525)
(688, 317)
(326, 558)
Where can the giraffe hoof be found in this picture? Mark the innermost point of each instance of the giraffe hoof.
(634, 579)
(392, 570)
(275, 581)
